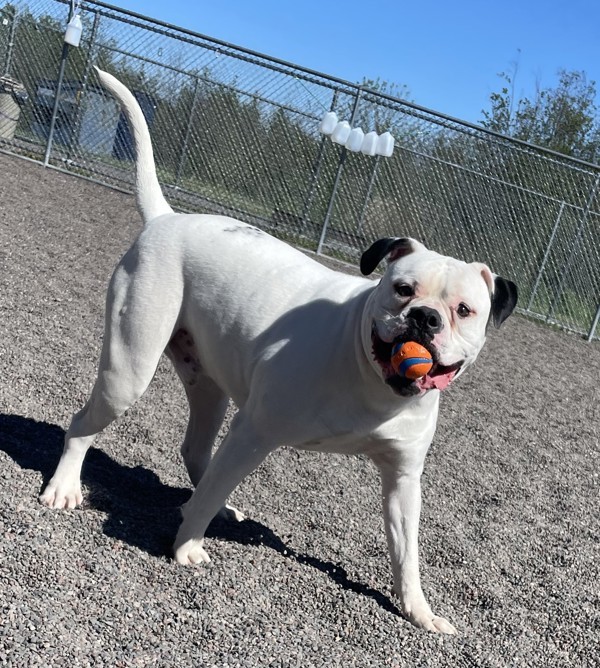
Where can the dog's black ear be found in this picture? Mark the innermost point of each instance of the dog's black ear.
(393, 246)
(504, 300)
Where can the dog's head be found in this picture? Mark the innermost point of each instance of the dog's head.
(442, 303)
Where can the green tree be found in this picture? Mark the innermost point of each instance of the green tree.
(563, 118)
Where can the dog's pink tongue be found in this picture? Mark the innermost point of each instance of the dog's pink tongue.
(440, 382)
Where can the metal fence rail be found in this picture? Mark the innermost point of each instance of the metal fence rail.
(237, 132)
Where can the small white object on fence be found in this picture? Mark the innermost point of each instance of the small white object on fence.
(369, 145)
(385, 145)
(330, 120)
(341, 133)
(73, 33)
(354, 139)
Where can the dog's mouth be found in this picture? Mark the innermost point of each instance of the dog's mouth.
(438, 378)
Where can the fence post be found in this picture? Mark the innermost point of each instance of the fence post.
(567, 266)
(11, 41)
(538, 278)
(365, 206)
(61, 74)
(317, 169)
(338, 176)
(85, 76)
(188, 132)
(594, 325)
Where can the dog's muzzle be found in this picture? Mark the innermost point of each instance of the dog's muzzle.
(439, 377)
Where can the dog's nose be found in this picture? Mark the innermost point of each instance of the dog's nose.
(428, 320)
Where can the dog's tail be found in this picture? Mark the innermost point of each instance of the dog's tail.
(150, 200)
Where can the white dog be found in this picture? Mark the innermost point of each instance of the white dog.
(303, 351)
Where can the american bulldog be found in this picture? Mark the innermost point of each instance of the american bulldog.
(302, 350)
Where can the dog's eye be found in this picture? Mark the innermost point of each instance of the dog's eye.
(404, 290)
(463, 310)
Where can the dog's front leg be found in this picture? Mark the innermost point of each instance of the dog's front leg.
(242, 451)
(401, 492)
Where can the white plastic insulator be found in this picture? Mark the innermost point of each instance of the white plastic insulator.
(385, 145)
(73, 33)
(330, 120)
(341, 132)
(369, 145)
(355, 139)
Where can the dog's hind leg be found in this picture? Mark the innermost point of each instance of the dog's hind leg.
(207, 410)
(242, 451)
(134, 339)
(207, 404)
(111, 397)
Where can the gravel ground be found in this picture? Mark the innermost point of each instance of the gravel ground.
(509, 533)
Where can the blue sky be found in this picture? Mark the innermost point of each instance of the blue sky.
(448, 54)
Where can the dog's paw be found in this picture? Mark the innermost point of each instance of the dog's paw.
(61, 496)
(231, 514)
(430, 622)
(442, 625)
(191, 552)
(417, 611)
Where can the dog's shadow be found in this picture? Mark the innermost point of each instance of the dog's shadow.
(141, 510)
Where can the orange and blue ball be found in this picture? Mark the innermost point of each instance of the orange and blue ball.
(411, 360)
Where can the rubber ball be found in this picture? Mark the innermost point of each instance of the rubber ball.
(411, 360)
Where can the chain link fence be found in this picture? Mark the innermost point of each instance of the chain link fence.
(236, 132)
